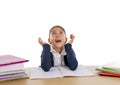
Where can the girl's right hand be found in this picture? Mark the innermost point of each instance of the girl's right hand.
(41, 41)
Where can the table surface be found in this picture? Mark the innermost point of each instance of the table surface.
(93, 80)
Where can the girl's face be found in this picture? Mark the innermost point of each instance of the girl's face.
(57, 37)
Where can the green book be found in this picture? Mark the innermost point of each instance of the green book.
(11, 79)
(108, 69)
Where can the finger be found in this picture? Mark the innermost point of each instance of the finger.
(72, 36)
(40, 40)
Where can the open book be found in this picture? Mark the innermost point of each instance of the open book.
(59, 71)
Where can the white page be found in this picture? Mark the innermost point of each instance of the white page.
(80, 71)
(59, 71)
(12, 67)
(40, 73)
(113, 65)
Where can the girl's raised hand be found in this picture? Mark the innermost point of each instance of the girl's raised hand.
(41, 41)
(71, 39)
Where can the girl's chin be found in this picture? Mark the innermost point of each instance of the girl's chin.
(58, 46)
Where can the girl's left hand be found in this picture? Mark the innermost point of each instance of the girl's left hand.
(72, 39)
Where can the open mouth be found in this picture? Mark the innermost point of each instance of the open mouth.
(57, 41)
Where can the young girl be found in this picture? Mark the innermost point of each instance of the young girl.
(58, 52)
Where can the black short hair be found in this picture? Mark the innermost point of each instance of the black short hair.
(58, 27)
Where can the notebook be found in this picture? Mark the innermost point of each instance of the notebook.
(112, 65)
(59, 71)
(11, 67)
(10, 59)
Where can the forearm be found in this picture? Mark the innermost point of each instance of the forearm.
(71, 57)
(46, 61)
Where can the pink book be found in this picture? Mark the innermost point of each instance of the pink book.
(10, 59)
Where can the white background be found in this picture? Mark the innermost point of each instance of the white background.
(95, 23)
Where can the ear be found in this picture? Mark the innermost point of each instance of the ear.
(66, 40)
(49, 40)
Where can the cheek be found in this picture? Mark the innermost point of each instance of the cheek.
(65, 40)
(51, 40)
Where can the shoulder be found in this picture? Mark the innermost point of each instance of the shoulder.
(46, 45)
(68, 45)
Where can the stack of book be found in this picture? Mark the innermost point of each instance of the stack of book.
(109, 69)
(12, 67)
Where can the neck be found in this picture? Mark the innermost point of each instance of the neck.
(59, 50)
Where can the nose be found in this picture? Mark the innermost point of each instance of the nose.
(57, 34)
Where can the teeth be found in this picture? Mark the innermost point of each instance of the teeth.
(58, 40)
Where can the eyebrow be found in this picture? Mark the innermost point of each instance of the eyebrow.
(57, 30)
(52, 29)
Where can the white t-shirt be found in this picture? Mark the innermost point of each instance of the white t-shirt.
(58, 58)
